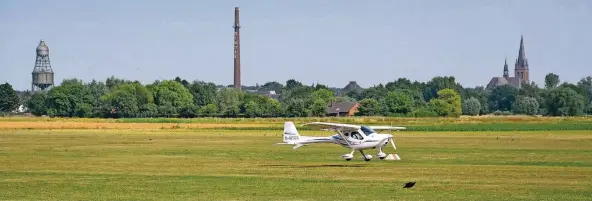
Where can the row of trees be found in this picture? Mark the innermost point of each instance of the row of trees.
(441, 96)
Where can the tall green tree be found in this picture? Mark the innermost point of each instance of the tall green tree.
(370, 107)
(320, 100)
(324, 95)
(122, 102)
(112, 82)
(481, 95)
(585, 85)
(292, 83)
(377, 92)
(228, 100)
(296, 101)
(401, 83)
(471, 106)
(272, 86)
(297, 108)
(525, 105)
(448, 103)
(37, 103)
(183, 82)
(129, 100)
(318, 108)
(502, 98)
(171, 93)
(415, 94)
(551, 80)
(398, 103)
(578, 89)
(439, 83)
(97, 90)
(209, 110)
(532, 90)
(9, 100)
(72, 98)
(563, 101)
(204, 93)
(252, 109)
(270, 107)
(320, 86)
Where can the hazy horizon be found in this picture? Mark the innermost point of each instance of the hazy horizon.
(330, 42)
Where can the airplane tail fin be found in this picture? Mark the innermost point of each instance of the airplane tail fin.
(290, 132)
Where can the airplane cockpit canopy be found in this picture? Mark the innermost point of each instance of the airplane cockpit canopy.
(367, 130)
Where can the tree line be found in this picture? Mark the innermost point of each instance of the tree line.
(440, 96)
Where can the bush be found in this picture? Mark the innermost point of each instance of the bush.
(423, 112)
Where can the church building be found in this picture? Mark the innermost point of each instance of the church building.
(520, 71)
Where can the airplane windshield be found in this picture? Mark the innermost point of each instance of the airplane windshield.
(367, 130)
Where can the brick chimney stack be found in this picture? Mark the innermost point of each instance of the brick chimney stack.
(237, 71)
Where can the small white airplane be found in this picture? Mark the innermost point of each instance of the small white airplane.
(354, 137)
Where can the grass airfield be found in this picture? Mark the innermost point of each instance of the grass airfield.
(219, 163)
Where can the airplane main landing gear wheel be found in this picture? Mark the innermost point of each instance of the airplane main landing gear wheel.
(366, 157)
(381, 155)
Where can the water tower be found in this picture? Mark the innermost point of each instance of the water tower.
(42, 73)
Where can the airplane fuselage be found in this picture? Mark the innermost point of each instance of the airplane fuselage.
(369, 142)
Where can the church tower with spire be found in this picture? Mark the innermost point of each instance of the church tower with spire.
(506, 74)
(521, 66)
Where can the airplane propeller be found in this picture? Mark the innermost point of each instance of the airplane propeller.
(393, 139)
(393, 143)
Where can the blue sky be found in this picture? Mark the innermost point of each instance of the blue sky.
(329, 41)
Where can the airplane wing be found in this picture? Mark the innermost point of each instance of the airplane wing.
(382, 128)
(349, 127)
(333, 126)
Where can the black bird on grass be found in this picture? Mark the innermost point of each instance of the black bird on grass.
(409, 184)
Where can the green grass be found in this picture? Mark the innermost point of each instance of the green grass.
(300, 120)
(493, 123)
(454, 127)
(190, 164)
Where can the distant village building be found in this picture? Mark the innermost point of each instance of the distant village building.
(20, 109)
(521, 74)
(352, 86)
(342, 109)
(271, 94)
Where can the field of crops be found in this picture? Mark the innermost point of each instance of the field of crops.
(487, 158)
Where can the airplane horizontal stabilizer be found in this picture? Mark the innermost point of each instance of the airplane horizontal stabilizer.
(298, 146)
